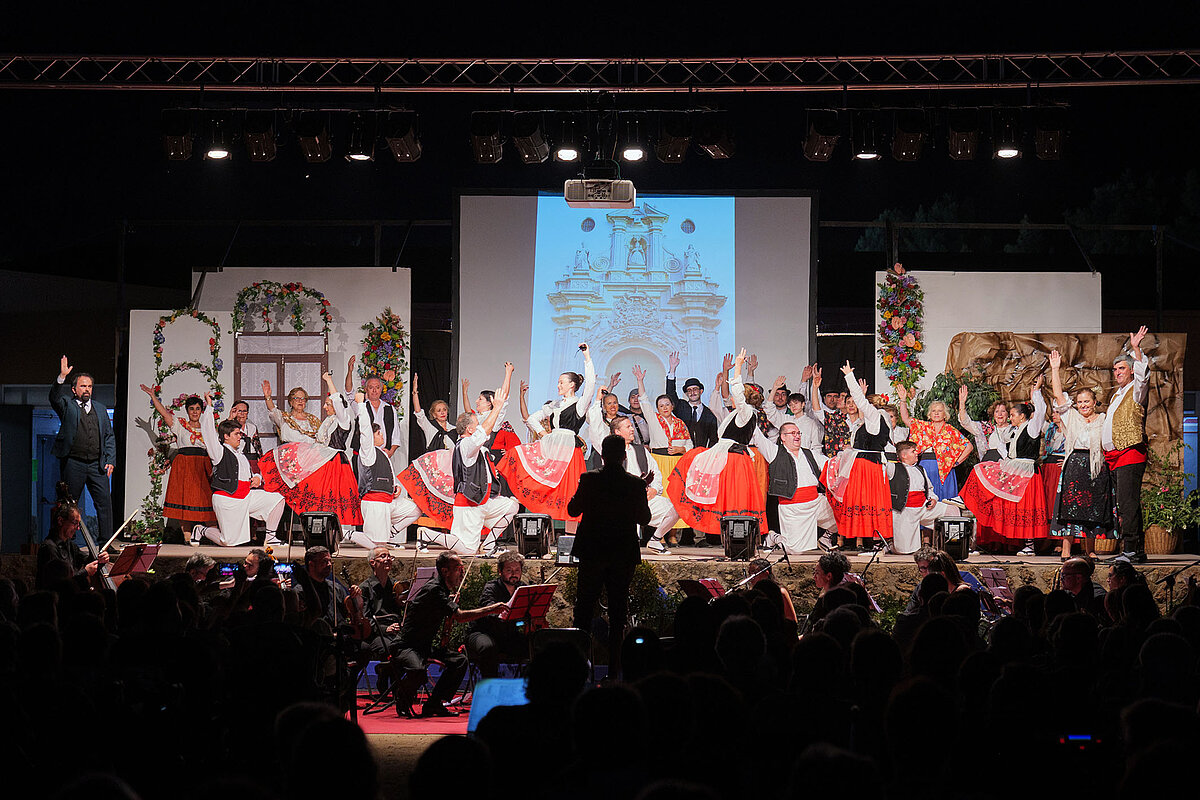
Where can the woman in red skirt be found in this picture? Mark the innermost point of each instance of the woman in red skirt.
(711, 482)
(189, 497)
(544, 474)
(1008, 497)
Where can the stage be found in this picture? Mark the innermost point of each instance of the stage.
(888, 577)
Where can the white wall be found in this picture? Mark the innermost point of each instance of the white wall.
(981, 302)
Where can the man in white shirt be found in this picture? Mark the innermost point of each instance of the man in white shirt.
(378, 411)
(1123, 438)
(793, 476)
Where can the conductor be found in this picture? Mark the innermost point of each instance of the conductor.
(611, 504)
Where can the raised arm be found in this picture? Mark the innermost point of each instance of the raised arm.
(341, 409)
(1056, 389)
(639, 375)
(742, 410)
(818, 401)
(366, 450)
(208, 430)
(870, 413)
(525, 404)
(350, 375)
(1141, 366)
(466, 394)
(163, 411)
(1038, 421)
(500, 401)
(969, 425)
(902, 394)
(765, 446)
(270, 401)
(589, 381)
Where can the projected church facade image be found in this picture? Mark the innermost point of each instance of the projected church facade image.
(642, 295)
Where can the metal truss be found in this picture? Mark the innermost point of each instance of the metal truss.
(635, 75)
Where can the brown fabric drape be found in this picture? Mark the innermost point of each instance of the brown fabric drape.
(1011, 362)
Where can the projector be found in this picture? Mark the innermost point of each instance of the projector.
(598, 193)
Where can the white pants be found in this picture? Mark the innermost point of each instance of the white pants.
(469, 522)
(663, 515)
(233, 516)
(380, 519)
(798, 523)
(907, 524)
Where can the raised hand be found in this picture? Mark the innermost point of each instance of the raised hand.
(508, 368)
(673, 360)
(1135, 339)
(847, 369)
(779, 382)
(753, 362)
(208, 400)
(146, 389)
(740, 358)
(266, 388)
(64, 368)
(727, 362)
(350, 364)
(1037, 382)
(524, 388)
(1055, 359)
(466, 385)
(862, 384)
(963, 391)
(614, 380)
(806, 375)
(902, 393)
(414, 377)
(816, 378)
(639, 374)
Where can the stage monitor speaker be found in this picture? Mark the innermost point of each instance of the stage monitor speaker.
(321, 528)
(953, 534)
(564, 557)
(534, 533)
(739, 535)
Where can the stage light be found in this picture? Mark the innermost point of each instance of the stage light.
(865, 136)
(487, 136)
(312, 129)
(911, 130)
(824, 131)
(633, 146)
(218, 140)
(258, 132)
(361, 146)
(1050, 131)
(177, 134)
(1006, 132)
(712, 134)
(402, 134)
(674, 136)
(569, 145)
(527, 137)
(963, 140)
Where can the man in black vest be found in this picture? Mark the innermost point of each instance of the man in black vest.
(85, 445)
(611, 504)
(639, 463)
(378, 411)
(794, 477)
(387, 511)
(700, 420)
(914, 503)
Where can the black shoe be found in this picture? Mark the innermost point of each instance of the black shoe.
(1140, 557)
(436, 710)
(404, 709)
(701, 543)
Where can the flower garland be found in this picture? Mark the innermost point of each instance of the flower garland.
(150, 527)
(900, 312)
(385, 351)
(279, 297)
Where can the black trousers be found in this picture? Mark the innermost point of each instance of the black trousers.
(77, 474)
(1128, 481)
(615, 579)
(486, 652)
(412, 665)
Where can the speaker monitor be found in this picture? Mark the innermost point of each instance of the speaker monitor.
(534, 533)
(739, 535)
(321, 528)
(953, 534)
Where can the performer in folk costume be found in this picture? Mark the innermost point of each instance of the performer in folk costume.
(440, 433)
(386, 511)
(832, 406)
(915, 501)
(797, 410)
(941, 447)
(600, 415)
(378, 410)
(1124, 442)
(794, 477)
(313, 475)
(1007, 496)
(544, 474)
(236, 496)
(189, 497)
(640, 462)
(239, 412)
(503, 436)
(891, 415)
(711, 482)
(535, 431)
(856, 477)
(991, 437)
(666, 433)
(1084, 501)
(1054, 446)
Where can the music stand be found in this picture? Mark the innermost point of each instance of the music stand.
(995, 579)
(530, 603)
(706, 588)
(852, 577)
(423, 576)
(134, 559)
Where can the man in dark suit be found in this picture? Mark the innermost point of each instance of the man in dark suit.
(611, 504)
(700, 420)
(85, 445)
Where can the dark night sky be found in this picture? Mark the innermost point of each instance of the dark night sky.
(77, 162)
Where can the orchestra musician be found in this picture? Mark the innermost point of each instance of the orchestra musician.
(432, 605)
(60, 547)
(380, 604)
(491, 639)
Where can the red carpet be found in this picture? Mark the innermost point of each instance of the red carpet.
(386, 721)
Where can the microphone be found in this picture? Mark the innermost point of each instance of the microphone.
(583, 347)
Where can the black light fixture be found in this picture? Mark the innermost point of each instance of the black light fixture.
(569, 145)
(712, 133)
(963, 139)
(633, 143)
(1049, 133)
(312, 129)
(361, 143)
(910, 131)
(487, 136)
(674, 137)
(1006, 132)
(865, 135)
(402, 135)
(824, 130)
(177, 134)
(258, 132)
(528, 138)
(217, 148)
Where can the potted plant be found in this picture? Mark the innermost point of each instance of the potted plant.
(1167, 507)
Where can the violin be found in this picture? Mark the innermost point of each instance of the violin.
(101, 579)
(356, 610)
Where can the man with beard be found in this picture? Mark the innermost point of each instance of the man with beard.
(491, 639)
